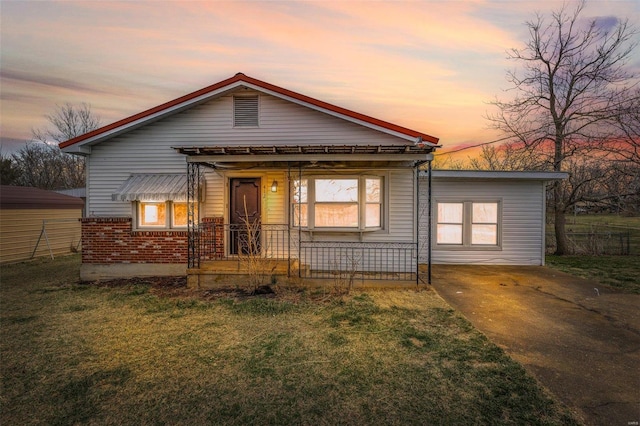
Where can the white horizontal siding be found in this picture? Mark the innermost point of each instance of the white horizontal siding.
(213, 205)
(400, 201)
(522, 220)
(148, 149)
(274, 204)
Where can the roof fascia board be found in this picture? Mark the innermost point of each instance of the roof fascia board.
(78, 149)
(303, 157)
(506, 175)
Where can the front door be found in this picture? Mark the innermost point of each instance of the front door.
(244, 216)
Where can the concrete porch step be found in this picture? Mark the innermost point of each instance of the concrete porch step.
(216, 273)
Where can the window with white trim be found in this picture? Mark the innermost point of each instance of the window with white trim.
(468, 223)
(162, 214)
(344, 203)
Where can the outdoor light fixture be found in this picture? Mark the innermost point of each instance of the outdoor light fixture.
(274, 186)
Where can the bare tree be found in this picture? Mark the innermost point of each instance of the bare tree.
(509, 156)
(42, 164)
(570, 90)
(68, 121)
(627, 148)
(45, 166)
(9, 171)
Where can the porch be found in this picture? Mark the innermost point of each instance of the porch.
(275, 252)
(341, 213)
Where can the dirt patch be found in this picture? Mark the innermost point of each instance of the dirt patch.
(176, 287)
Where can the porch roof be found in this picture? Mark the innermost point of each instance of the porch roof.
(295, 153)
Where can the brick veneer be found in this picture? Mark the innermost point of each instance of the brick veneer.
(111, 240)
(212, 238)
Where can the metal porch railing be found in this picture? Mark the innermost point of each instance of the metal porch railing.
(386, 261)
(218, 241)
(313, 259)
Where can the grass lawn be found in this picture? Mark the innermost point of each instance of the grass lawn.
(76, 353)
(616, 271)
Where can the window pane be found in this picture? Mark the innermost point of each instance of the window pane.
(300, 191)
(485, 213)
(337, 215)
(450, 212)
(449, 234)
(337, 190)
(373, 215)
(180, 215)
(300, 214)
(153, 214)
(484, 234)
(373, 190)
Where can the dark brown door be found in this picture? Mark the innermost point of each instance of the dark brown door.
(244, 214)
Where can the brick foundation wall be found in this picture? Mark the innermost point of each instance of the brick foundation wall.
(111, 240)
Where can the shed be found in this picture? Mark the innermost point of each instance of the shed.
(28, 215)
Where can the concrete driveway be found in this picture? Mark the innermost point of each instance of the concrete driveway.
(581, 340)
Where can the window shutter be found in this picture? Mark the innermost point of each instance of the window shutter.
(245, 111)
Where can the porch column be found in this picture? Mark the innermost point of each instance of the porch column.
(193, 191)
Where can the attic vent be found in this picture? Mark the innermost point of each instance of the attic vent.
(245, 111)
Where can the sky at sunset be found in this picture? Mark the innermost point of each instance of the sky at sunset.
(430, 65)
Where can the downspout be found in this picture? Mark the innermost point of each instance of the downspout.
(429, 220)
(416, 170)
(300, 220)
(288, 209)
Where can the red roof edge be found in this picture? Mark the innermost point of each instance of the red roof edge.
(242, 77)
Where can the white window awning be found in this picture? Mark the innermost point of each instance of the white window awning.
(154, 187)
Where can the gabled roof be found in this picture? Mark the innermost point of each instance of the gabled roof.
(240, 80)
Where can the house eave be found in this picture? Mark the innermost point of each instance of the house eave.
(495, 175)
(307, 153)
(304, 158)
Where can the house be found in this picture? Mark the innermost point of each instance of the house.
(35, 222)
(244, 168)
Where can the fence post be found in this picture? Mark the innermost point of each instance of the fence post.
(628, 242)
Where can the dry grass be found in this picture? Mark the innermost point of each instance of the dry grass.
(136, 354)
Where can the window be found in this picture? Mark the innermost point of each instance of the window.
(353, 202)
(449, 228)
(484, 223)
(154, 214)
(468, 223)
(245, 111)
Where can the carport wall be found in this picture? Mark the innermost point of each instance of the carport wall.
(521, 215)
